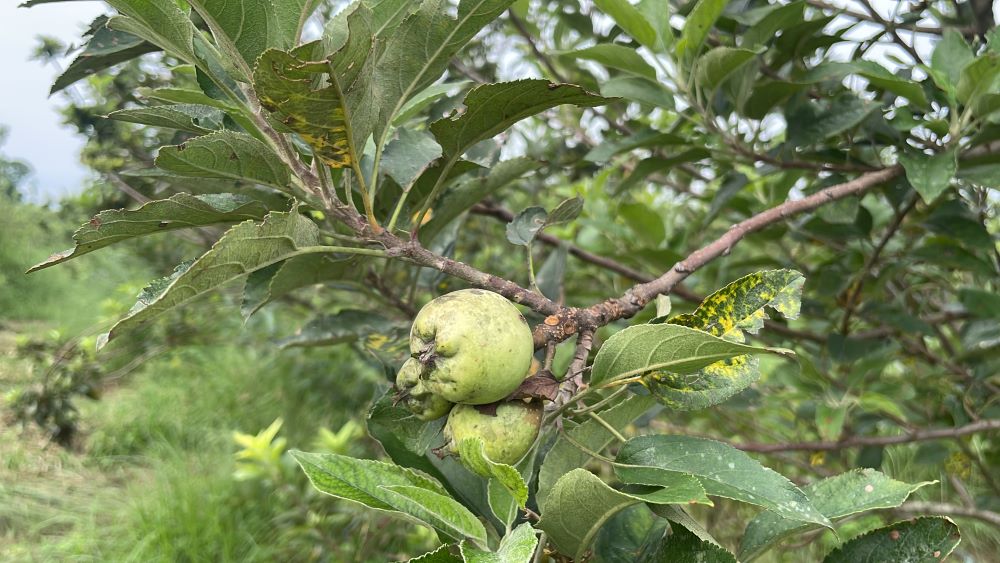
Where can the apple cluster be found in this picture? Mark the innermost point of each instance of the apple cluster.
(470, 348)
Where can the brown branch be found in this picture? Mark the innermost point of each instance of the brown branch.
(891, 28)
(943, 509)
(860, 441)
(570, 320)
(522, 30)
(821, 4)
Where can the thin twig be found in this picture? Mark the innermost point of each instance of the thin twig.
(944, 509)
(861, 441)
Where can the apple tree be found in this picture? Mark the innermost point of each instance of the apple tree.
(732, 228)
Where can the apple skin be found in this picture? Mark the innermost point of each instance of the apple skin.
(413, 393)
(474, 345)
(507, 436)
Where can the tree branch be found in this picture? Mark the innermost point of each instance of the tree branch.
(570, 320)
(943, 509)
(860, 441)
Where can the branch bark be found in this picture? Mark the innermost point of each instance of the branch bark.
(861, 441)
(570, 320)
(944, 509)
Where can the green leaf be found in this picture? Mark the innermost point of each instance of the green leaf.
(782, 17)
(644, 222)
(814, 122)
(335, 120)
(267, 284)
(472, 452)
(724, 471)
(161, 22)
(706, 387)
(628, 535)
(564, 456)
(979, 78)
(247, 28)
(877, 75)
(830, 420)
(418, 52)
(638, 89)
(185, 117)
(105, 49)
(180, 211)
(566, 211)
(836, 497)
(715, 66)
(457, 200)
(360, 480)
(576, 508)
(682, 546)
(406, 157)
(492, 108)
(678, 515)
(616, 56)
(630, 20)
(348, 325)
(741, 305)
(244, 248)
(651, 138)
(699, 21)
(641, 349)
(525, 225)
(439, 555)
(442, 512)
(516, 547)
(951, 55)
(922, 540)
(930, 175)
(425, 98)
(184, 96)
(226, 155)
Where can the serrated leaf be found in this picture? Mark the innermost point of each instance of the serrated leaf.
(576, 508)
(638, 89)
(183, 96)
(630, 20)
(741, 305)
(277, 280)
(715, 66)
(472, 452)
(682, 546)
(678, 515)
(105, 49)
(836, 497)
(705, 387)
(812, 122)
(516, 547)
(348, 325)
(184, 117)
(628, 535)
(334, 120)
(406, 157)
(978, 78)
(699, 22)
(438, 509)
(226, 155)
(641, 349)
(440, 555)
(922, 540)
(551, 274)
(363, 481)
(564, 456)
(493, 108)
(525, 225)
(419, 51)
(930, 175)
(253, 26)
(723, 470)
(244, 248)
(163, 24)
(180, 211)
(617, 57)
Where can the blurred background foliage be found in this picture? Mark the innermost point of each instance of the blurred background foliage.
(169, 444)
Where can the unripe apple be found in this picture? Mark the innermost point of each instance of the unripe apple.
(413, 393)
(507, 435)
(474, 345)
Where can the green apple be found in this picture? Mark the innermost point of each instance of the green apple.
(507, 435)
(413, 393)
(474, 345)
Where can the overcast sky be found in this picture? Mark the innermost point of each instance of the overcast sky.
(36, 135)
